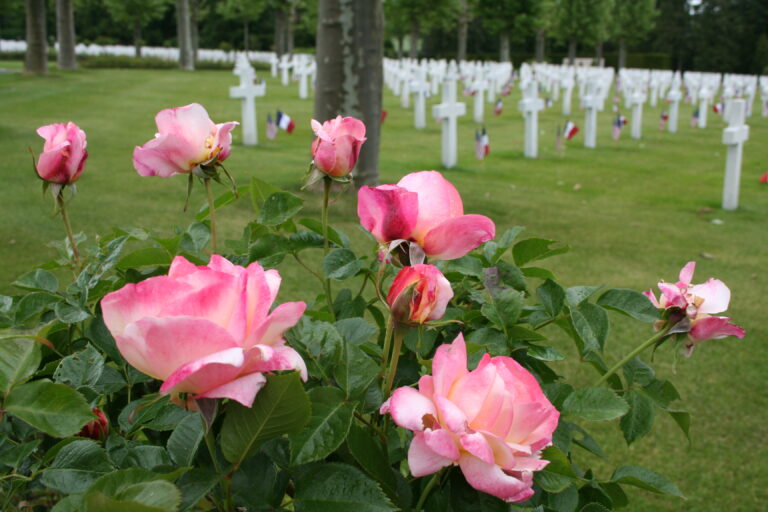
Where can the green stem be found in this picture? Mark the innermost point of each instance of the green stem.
(647, 343)
(399, 337)
(226, 483)
(67, 226)
(373, 427)
(326, 246)
(427, 490)
(387, 344)
(211, 213)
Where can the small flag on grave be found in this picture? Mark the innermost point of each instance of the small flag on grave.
(271, 128)
(383, 116)
(764, 178)
(506, 89)
(717, 108)
(663, 120)
(482, 144)
(570, 130)
(468, 92)
(284, 122)
(695, 118)
(616, 128)
(498, 108)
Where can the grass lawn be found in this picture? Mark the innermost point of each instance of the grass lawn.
(633, 211)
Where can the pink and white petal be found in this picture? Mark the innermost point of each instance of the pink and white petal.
(714, 327)
(503, 454)
(206, 373)
(523, 384)
(408, 408)
(224, 139)
(263, 358)
(180, 267)
(532, 425)
(686, 275)
(77, 153)
(54, 134)
(442, 443)
(190, 122)
(457, 236)
(450, 416)
(672, 296)
(469, 392)
(159, 346)
(476, 444)
(242, 389)
(491, 479)
(426, 386)
(271, 330)
(389, 212)
(51, 164)
(438, 200)
(449, 365)
(422, 460)
(351, 126)
(652, 297)
(716, 296)
(164, 156)
(273, 282)
(530, 463)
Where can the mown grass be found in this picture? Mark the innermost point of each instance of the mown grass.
(633, 212)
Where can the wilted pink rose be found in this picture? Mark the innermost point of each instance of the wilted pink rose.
(64, 154)
(337, 145)
(698, 302)
(419, 294)
(186, 138)
(205, 330)
(426, 209)
(493, 422)
(96, 429)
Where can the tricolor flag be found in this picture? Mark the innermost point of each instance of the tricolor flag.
(383, 116)
(284, 122)
(498, 108)
(616, 128)
(663, 120)
(717, 108)
(570, 130)
(469, 92)
(271, 128)
(764, 178)
(695, 118)
(482, 144)
(623, 120)
(507, 88)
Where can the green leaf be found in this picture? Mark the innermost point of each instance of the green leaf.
(56, 409)
(97, 332)
(504, 309)
(544, 353)
(195, 238)
(509, 236)
(335, 487)
(278, 208)
(334, 235)
(575, 295)
(266, 491)
(281, 407)
(38, 280)
(327, 428)
(636, 371)
(552, 297)
(148, 256)
(319, 343)
(637, 422)
(356, 331)
(196, 483)
(683, 420)
(537, 272)
(595, 403)
(466, 265)
(115, 482)
(71, 313)
(645, 479)
(341, 264)
(517, 333)
(565, 501)
(76, 466)
(511, 275)
(369, 453)
(223, 200)
(662, 392)
(493, 341)
(355, 371)
(534, 249)
(32, 304)
(19, 359)
(260, 191)
(591, 324)
(184, 440)
(82, 368)
(593, 507)
(155, 496)
(629, 302)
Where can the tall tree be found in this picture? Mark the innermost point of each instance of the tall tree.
(184, 32)
(544, 22)
(463, 16)
(36, 58)
(632, 21)
(65, 34)
(508, 18)
(350, 51)
(136, 14)
(244, 11)
(285, 18)
(582, 21)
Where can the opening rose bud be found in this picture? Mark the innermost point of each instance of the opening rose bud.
(96, 429)
(64, 154)
(337, 146)
(419, 294)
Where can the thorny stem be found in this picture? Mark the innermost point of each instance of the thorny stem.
(327, 282)
(211, 213)
(649, 342)
(67, 226)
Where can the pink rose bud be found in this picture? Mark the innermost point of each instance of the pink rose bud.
(96, 429)
(206, 331)
(64, 154)
(337, 146)
(424, 208)
(492, 422)
(186, 138)
(419, 294)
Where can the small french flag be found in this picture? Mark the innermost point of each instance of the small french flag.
(717, 108)
(498, 108)
(764, 178)
(383, 116)
(284, 122)
(482, 144)
(570, 130)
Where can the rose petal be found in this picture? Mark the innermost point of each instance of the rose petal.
(714, 327)
(408, 408)
(441, 442)
(449, 364)
(456, 237)
(686, 274)
(271, 331)
(476, 444)
(716, 296)
(242, 389)
(422, 460)
(491, 479)
(205, 373)
(438, 200)
(388, 212)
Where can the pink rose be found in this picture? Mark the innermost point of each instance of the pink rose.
(205, 330)
(493, 422)
(426, 209)
(419, 294)
(337, 145)
(698, 302)
(187, 138)
(64, 154)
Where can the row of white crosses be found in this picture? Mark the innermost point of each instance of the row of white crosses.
(247, 92)
(764, 94)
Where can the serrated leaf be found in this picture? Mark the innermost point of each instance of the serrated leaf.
(537, 272)
(33, 303)
(39, 280)
(534, 249)
(55, 409)
(355, 371)
(591, 324)
(629, 302)
(334, 235)
(195, 238)
(327, 427)
(662, 392)
(552, 297)
(645, 479)
(636, 371)
(155, 496)
(281, 407)
(184, 440)
(278, 208)
(335, 487)
(683, 420)
(19, 359)
(575, 295)
(369, 453)
(356, 331)
(82, 368)
(76, 467)
(595, 403)
(504, 308)
(147, 256)
(638, 421)
(544, 353)
(70, 313)
(341, 264)
(466, 265)
(196, 483)
(260, 191)
(593, 507)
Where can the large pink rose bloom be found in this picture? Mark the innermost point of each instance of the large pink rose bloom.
(205, 330)
(424, 208)
(64, 154)
(186, 138)
(493, 422)
(419, 294)
(699, 302)
(337, 146)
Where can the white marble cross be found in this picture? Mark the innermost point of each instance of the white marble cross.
(530, 106)
(637, 101)
(448, 112)
(593, 104)
(247, 92)
(420, 88)
(568, 86)
(302, 70)
(734, 137)
(285, 65)
(479, 86)
(674, 96)
(703, 106)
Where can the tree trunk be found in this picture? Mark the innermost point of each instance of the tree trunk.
(137, 38)
(622, 53)
(289, 29)
(36, 58)
(281, 23)
(65, 34)
(400, 39)
(541, 41)
(572, 51)
(245, 35)
(461, 54)
(413, 50)
(184, 32)
(598, 53)
(194, 34)
(350, 51)
(504, 47)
